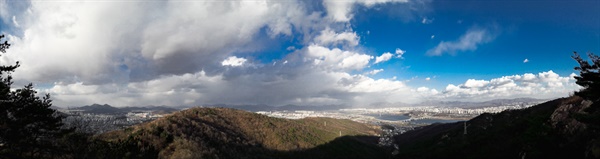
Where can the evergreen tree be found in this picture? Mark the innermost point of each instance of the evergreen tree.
(28, 126)
(589, 77)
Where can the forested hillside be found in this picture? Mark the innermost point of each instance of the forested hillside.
(231, 133)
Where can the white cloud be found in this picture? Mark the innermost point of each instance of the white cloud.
(529, 77)
(378, 90)
(572, 75)
(384, 57)
(14, 20)
(356, 61)
(373, 72)
(544, 85)
(526, 60)
(426, 21)
(77, 88)
(552, 79)
(467, 42)
(233, 61)
(432, 36)
(472, 83)
(329, 37)
(427, 92)
(74, 41)
(340, 11)
(337, 58)
(399, 53)
(427, 79)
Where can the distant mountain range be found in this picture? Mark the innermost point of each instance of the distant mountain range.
(490, 103)
(255, 108)
(461, 104)
(107, 109)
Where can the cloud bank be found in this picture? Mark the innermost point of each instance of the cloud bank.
(543, 85)
(204, 52)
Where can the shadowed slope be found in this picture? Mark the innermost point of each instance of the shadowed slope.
(547, 130)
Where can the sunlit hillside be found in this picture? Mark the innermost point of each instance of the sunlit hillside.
(230, 133)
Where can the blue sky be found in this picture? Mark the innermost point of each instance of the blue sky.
(544, 32)
(354, 52)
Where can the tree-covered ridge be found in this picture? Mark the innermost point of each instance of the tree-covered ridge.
(231, 133)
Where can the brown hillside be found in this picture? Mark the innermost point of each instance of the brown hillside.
(230, 133)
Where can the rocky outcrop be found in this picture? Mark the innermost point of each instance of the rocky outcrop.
(563, 119)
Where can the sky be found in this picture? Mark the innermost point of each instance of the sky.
(300, 52)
